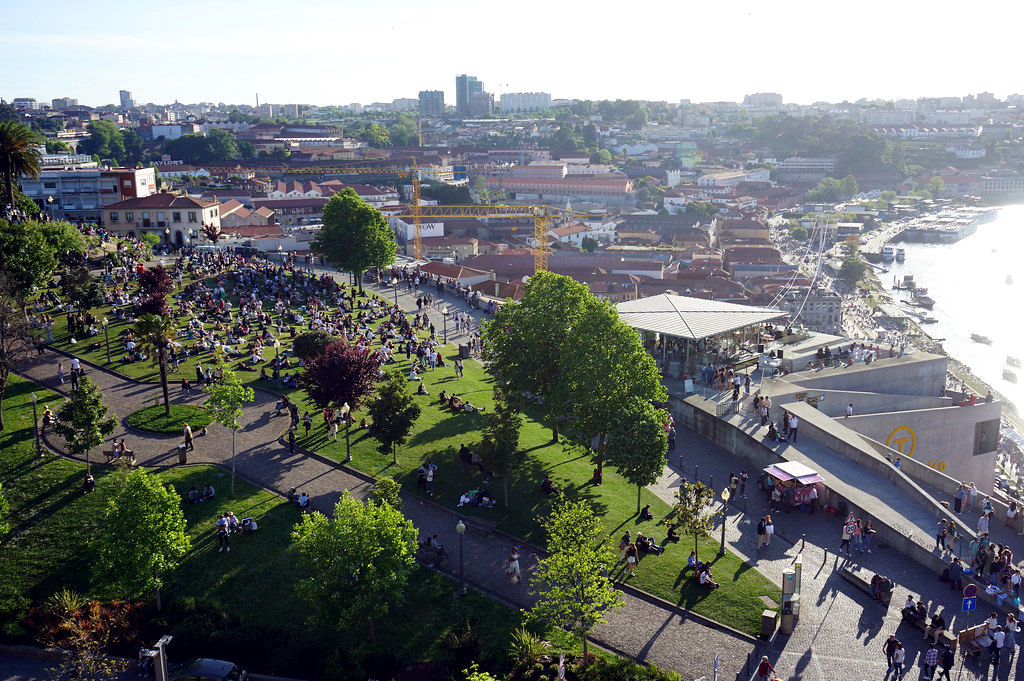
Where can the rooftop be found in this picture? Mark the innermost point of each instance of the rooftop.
(692, 318)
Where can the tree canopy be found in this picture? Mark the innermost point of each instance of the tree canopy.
(831, 190)
(359, 560)
(105, 141)
(26, 258)
(216, 147)
(637, 442)
(499, 450)
(339, 373)
(392, 414)
(17, 156)
(355, 236)
(82, 419)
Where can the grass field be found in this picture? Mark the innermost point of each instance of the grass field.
(437, 436)
(48, 549)
(155, 420)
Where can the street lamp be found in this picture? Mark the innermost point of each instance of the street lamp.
(394, 285)
(460, 527)
(167, 234)
(725, 516)
(35, 425)
(106, 335)
(444, 314)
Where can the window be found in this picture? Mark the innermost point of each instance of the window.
(129, 216)
(50, 185)
(176, 216)
(113, 216)
(192, 216)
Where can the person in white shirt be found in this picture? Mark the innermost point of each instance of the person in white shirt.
(794, 423)
(849, 410)
(998, 640)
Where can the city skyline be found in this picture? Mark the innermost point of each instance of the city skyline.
(811, 54)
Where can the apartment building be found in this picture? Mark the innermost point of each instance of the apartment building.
(80, 194)
(174, 218)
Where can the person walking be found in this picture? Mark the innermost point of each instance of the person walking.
(889, 648)
(899, 656)
(512, 570)
(972, 497)
(958, 498)
(930, 661)
(996, 647)
(60, 372)
(307, 422)
(765, 670)
(769, 530)
(849, 410)
(187, 432)
(332, 429)
(761, 533)
(631, 557)
(794, 423)
(947, 661)
(291, 440)
(1012, 627)
(848, 529)
(940, 535)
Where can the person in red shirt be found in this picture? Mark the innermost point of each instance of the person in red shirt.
(765, 669)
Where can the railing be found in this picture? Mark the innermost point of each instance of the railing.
(730, 406)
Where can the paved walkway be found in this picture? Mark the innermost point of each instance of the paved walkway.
(645, 629)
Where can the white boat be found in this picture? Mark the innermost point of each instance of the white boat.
(888, 254)
(901, 255)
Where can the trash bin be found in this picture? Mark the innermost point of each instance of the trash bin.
(463, 351)
(182, 454)
(769, 619)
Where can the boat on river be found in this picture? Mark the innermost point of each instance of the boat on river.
(978, 338)
(901, 255)
(1009, 376)
(1012, 361)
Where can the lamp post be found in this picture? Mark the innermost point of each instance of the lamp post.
(460, 527)
(35, 425)
(394, 285)
(444, 314)
(167, 234)
(725, 516)
(106, 335)
(345, 411)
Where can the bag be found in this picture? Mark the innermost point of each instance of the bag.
(769, 529)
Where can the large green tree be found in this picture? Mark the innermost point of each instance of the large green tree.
(637, 442)
(392, 414)
(570, 583)
(17, 337)
(499, 449)
(528, 343)
(66, 240)
(105, 141)
(359, 561)
(222, 145)
(26, 258)
(17, 156)
(142, 534)
(82, 420)
(355, 236)
(225, 399)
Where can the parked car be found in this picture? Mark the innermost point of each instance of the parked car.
(205, 669)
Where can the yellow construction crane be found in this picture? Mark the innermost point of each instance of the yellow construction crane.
(542, 216)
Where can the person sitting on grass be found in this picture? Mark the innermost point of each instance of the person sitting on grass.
(705, 578)
(303, 501)
(454, 402)
(208, 492)
(694, 563)
(548, 487)
(443, 397)
(193, 495)
(673, 535)
(421, 389)
(647, 544)
(645, 513)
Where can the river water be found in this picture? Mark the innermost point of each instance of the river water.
(977, 284)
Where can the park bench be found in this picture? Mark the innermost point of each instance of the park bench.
(973, 639)
(862, 580)
(112, 454)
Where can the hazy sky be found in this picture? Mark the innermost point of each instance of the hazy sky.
(341, 51)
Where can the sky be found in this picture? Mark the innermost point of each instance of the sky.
(342, 51)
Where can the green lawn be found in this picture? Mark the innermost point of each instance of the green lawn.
(154, 418)
(438, 435)
(48, 550)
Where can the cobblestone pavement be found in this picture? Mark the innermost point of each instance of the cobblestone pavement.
(643, 629)
(841, 630)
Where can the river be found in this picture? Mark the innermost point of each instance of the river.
(977, 285)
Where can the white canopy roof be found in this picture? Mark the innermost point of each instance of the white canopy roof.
(692, 318)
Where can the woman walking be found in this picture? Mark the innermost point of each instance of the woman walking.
(512, 570)
(631, 557)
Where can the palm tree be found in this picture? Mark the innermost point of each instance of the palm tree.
(17, 156)
(154, 333)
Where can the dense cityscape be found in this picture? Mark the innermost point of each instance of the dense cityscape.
(488, 385)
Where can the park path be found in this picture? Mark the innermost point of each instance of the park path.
(646, 629)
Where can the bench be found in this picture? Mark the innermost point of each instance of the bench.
(946, 637)
(973, 639)
(112, 454)
(862, 580)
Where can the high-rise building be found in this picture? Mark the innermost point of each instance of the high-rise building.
(432, 103)
(767, 99)
(465, 88)
(25, 103)
(518, 102)
(126, 100)
(481, 104)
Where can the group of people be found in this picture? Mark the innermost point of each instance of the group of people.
(857, 534)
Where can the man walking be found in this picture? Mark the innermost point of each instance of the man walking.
(948, 658)
(931, 660)
(794, 423)
(849, 410)
(187, 432)
(889, 648)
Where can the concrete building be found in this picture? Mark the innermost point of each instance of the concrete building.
(481, 104)
(126, 100)
(25, 103)
(731, 178)
(613, 189)
(765, 99)
(816, 310)
(465, 88)
(520, 102)
(64, 103)
(431, 103)
(80, 194)
(175, 219)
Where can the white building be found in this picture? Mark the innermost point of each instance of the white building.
(519, 102)
(405, 230)
(731, 178)
(887, 117)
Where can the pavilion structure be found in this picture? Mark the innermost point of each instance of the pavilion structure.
(684, 333)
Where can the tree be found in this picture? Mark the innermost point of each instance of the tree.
(852, 269)
(132, 146)
(78, 284)
(154, 333)
(704, 209)
(193, 149)
(82, 420)
(155, 285)
(376, 135)
(65, 240)
(527, 344)
(309, 344)
(392, 415)
(85, 631)
(105, 141)
(590, 134)
(637, 443)
(589, 244)
(499, 450)
(142, 535)
(570, 583)
(57, 147)
(888, 196)
(355, 235)
(689, 512)
(797, 231)
(17, 156)
(936, 187)
(602, 156)
(212, 232)
(359, 560)
(224, 400)
(339, 374)
(17, 337)
(26, 259)
(246, 149)
(221, 146)
(385, 491)
(831, 190)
